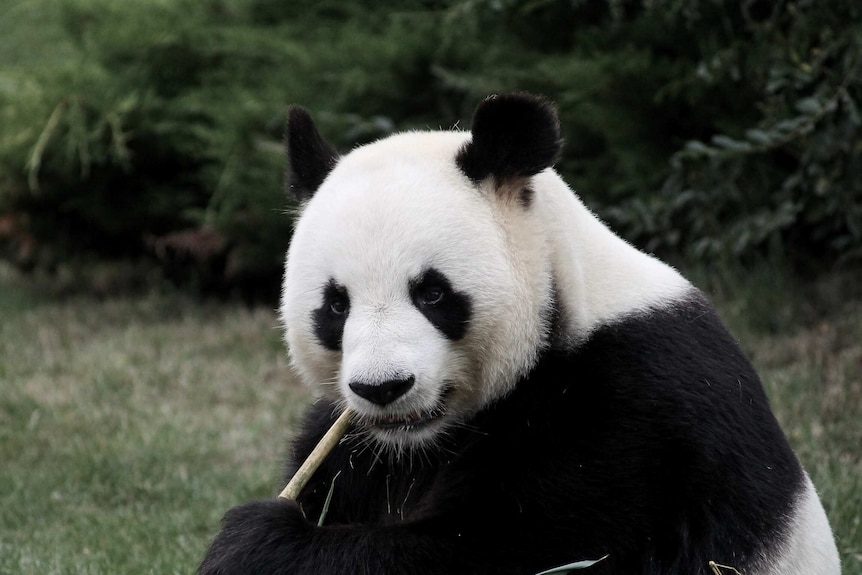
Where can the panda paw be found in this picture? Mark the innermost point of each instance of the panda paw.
(259, 538)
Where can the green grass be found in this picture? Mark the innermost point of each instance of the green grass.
(129, 425)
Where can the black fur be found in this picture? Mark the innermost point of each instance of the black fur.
(652, 443)
(310, 157)
(526, 197)
(513, 135)
(328, 322)
(451, 314)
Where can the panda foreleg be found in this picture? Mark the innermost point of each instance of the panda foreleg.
(273, 537)
(259, 537)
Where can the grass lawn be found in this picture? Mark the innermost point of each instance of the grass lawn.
(129, 425)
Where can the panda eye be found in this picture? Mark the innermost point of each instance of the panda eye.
(338, 306)
(431, 295)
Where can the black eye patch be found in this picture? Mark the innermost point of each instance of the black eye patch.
(330, 317)
(447, 310)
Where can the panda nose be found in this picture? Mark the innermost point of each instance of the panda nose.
(384, 392)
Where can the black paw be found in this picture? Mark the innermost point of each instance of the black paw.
(259, 538)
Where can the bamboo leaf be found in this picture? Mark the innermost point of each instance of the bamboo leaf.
(697, 147)
(572, 566)
(729, 143)
(326, 503)
(809, 106)
(758, 137)
(35, 160)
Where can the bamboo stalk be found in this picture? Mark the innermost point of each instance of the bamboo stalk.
(329, 440)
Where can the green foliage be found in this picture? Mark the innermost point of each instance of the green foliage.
(711, 129)
(148, 129)
(787, 179)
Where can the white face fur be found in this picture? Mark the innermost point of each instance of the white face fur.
(402, 269)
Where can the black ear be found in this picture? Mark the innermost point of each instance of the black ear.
(513, 135)
(310, 157)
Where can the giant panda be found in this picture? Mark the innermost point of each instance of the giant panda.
(530, 391)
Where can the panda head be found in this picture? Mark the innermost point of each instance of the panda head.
(416, 289)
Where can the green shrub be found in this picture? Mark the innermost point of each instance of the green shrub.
(139, 135)
(788, 178)
(151, 130)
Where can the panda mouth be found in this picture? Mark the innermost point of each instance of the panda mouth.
(415, 420)
(409, 422)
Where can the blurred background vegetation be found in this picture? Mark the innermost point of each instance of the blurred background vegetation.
(146, 135)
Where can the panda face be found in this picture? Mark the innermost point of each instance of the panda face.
(418, 284)
(404, 296)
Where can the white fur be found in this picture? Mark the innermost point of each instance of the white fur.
(600, 276)
(390, 210)
(386, 213)
(810, 547)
